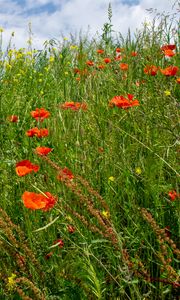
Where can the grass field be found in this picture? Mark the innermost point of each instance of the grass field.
(89, 167)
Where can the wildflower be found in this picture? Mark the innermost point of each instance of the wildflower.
(138, 171)
(74, 105)
(37, 132)
(100, 51)
(47, 256)
(11, 282)
(123, 66)
(168, 47)
(111, 178)
(77, 71)
(65, 174)
(107, 60)
(71, 229)
(169, 53)
(173, 195)
(13, 118)
(134, 53)
(25, 167)
(73, 47)
(59, 243)
(43, 150)
(38, 201)
(118, 50)
(118, 57)
(106, 214)
(167, 93)
(101, 67)
(178, 80)
(170, 71)
(1, 29)
(151, 70)
(122, 102)
(40, 114)
(90, 63)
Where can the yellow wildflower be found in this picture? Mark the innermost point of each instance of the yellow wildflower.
(167, 93)
(73, 47)
(1, 29)
(11, 281)
(111, 178)
(138, 170)
(106, 214)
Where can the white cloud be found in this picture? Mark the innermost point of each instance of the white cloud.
(70, 16)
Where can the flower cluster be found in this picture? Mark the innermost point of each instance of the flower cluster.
(122, 102)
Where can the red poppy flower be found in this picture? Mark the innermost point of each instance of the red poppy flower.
(169, 52)
(90, 63)
(13, 118)
(37, 132)
(25, 167)
(48, 255)
(134, 53)
(59, 242)
(43, 150)
(170, 71)
(65, 174)
(178, 80)
(40, 114)
(71, 229)
(123, 66)
(77, 71)
(101, 67)
(168, 47)
(151, 70)
(74, 105)
(173, 195)
(100, 51)
(38, 201)
(107, 60)
(118, 57)
(118, 50)
(122, 102)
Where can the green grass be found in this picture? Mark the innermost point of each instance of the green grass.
(124, 161)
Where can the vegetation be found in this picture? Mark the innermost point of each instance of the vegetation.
(89, 167)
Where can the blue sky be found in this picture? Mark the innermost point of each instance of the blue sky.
(58, 18)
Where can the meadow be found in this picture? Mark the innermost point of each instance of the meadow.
(89, 166)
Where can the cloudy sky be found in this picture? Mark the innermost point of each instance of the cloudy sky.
(57, 18)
